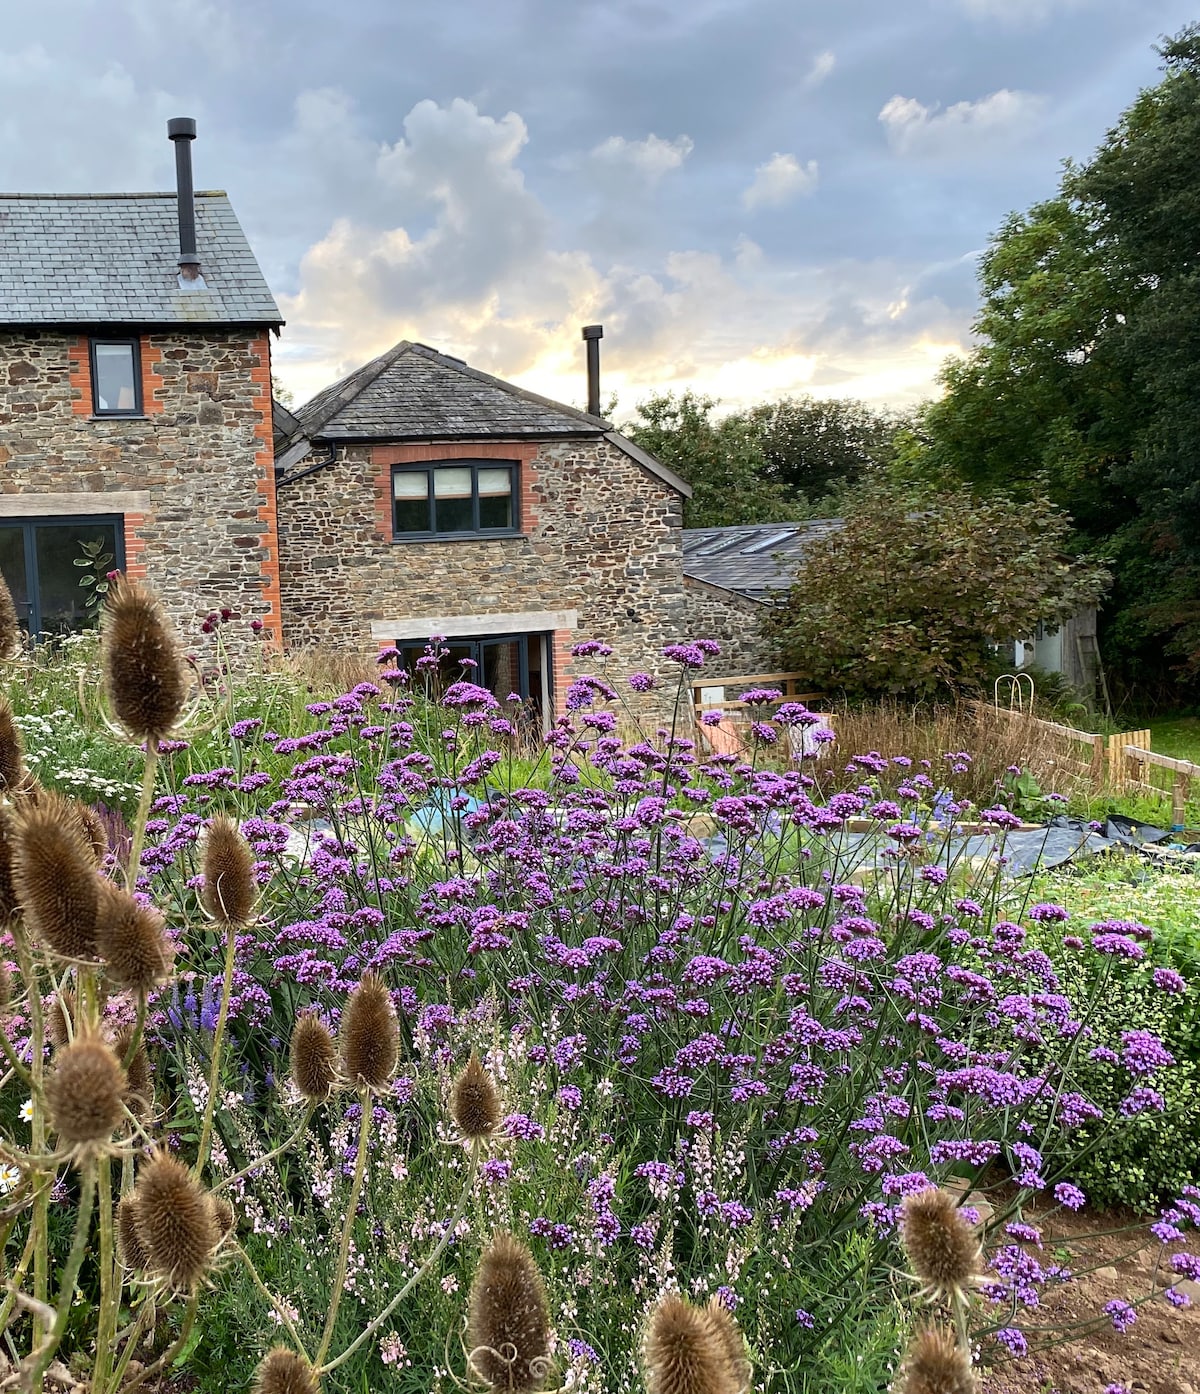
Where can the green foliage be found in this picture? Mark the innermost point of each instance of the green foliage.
(96, 564)
(776, 462)
(721, 459)
(1087, 382)
(911, 593)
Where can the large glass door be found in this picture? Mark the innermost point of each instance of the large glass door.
(52, 565)
(507, 665)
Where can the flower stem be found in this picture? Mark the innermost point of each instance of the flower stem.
(110, 1282)
(276, 1305)
(44, 1352)
(267, 1156)
(149, 776)
(339, 1279)
(214, 1073)
(447, 1235)
(189, 1320)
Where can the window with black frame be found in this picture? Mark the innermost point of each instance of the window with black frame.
(116, 377)
(454, 498)
(55, 569)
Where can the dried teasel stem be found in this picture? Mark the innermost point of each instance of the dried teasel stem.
(356, 1185)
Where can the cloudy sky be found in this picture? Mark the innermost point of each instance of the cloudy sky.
(755, 197)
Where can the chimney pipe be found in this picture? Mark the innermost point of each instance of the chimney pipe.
(592, 334)
(182, 131)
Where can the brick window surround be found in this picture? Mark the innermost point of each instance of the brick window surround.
(526, 499)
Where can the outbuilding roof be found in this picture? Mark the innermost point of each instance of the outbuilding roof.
(757, 560)
(113, 259)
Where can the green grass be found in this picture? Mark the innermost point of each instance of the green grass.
(1177, 736)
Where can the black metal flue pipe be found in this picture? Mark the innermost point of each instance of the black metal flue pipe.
(182, 131)
(592, 334)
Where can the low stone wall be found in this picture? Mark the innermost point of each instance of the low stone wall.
(734, 621)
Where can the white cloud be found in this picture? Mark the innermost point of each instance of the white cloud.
(779, 180)
(650, 158)
(822, 65)
(123, 145)
(445, 243)
(915, 129)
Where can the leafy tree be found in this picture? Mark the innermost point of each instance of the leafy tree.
(815, 447)
(721, 459)
(911, 594)
(777, 462)
(1086, 382)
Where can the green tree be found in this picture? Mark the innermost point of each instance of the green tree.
(1086, 380)
(911, 594)
(776, 462)
(815, 447)
(721, 459)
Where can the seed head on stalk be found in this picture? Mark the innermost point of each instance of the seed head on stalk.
(143, 673)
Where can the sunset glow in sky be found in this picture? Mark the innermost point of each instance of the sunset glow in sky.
(755, 197)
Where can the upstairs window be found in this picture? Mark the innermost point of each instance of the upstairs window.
(116, 378)
(454, 498)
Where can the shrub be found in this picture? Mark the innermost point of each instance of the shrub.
(912, 593)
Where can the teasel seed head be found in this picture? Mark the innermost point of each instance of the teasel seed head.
(733, 1344)
(10, 631)
(230, 890)
(85, 1093)
(175, 1221)
(370, 1035)
(132, 940)
(223, 1215)
(508, 1321)
(8, 891)
(139, 1093)
(942, 1248)
(474, 1102)
(60, 1020)
(130, 1249)
(12, 752)
(314, 1058)
(285, 1372)
(6, 986)
(55, 878)
(142, 668)
(93, 829)
(683, 1352)
(936, 1364)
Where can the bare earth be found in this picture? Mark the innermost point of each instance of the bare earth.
(1160, 1354)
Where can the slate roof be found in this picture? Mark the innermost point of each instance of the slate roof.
(113, 259)
(755, 561)
(413, 392)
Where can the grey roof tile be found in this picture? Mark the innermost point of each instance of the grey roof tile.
(756, 560)
(113, 259)
(412, 392)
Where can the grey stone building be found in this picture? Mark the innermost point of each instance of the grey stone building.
(421, 497)
(135, 406)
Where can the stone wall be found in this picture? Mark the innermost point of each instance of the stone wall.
(734, 621)
(598, 557)
(193, 477)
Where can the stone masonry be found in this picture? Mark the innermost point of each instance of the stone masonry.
(734, 621)
(600, 542)
(193, 477)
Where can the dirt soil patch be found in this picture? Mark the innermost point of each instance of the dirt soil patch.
(1159, 1354)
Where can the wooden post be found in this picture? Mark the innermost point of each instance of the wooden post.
(1179, 794)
